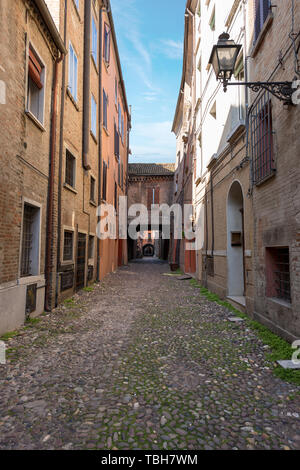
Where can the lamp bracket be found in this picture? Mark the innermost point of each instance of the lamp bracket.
(281, 90)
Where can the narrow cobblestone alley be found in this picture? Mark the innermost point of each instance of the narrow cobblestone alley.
(143, 362)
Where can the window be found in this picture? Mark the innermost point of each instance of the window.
(116, 92)
(122, 129)
(262, 8)
(30, 241)
(152, 197)
(119, 173)
(116, 196)
(91, 246)
(68, 245)
(94, 41)
(92, 189)
(106, 45)
(73, 72)
(122, 176)
(36, 77)
(239, 74)
(278, 273)
(70, 169)
(117, 142)
(104, 183)
(105, 103)
(263, 164)
(94, 116)
(212, 21)
(119, 119)
(213, 110)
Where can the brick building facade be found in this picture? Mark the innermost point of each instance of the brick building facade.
(244, 149)
(275, 178)
(31, 49)
(64, 151)
(150, 184)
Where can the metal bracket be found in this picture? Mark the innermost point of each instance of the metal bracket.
(281, 90)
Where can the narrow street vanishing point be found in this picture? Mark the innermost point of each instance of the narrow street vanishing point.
(137, 362)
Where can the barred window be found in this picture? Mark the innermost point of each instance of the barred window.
(117, 142)
(29, 240)
(92, 189)
(91, 246)
(261, 127)
(70, 169)
(68, 246)
(278, 273)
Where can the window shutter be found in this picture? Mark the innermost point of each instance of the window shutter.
(156, 196)
(266, 9)
(257, 18)
(35, 69)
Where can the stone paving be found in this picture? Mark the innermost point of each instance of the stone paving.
(143, 362)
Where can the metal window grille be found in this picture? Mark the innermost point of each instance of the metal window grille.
(282, 281)
(92, 192)
(261, 131)
(70, 173)
(28, 219)
(91, 247)
(68, 246)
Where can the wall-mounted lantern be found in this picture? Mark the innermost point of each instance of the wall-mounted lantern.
(223, 59)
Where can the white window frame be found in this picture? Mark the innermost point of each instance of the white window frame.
(73, 72)
(41, 118)
(37, 244)
(94, 41)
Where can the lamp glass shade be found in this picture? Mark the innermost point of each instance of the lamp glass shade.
(224, 56)
(227, 57)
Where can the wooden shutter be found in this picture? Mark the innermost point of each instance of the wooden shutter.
(106, 45)
(262, 9)
(35, 70)
(156, 196)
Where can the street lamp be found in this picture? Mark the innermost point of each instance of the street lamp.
(223, 59)
(224, 56)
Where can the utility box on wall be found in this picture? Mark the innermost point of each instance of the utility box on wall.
(236, 239)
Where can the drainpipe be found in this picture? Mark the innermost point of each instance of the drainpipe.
(61, 148)
(49, 242)
(86, 84)
(212, 216)
(100, 139)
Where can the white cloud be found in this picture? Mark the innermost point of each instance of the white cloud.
(153, 142)
(172, 49)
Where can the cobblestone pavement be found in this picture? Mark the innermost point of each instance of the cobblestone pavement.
(143, 362)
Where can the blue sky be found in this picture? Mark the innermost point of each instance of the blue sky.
(150, 41)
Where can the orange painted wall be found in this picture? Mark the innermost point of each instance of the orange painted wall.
(109, 249)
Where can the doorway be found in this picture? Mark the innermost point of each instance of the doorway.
(235, 244)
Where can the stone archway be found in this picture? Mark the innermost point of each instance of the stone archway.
(148, 250)
(235, 242)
